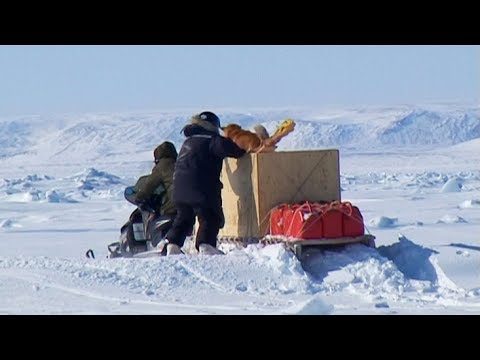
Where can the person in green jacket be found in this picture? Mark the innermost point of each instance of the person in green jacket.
(155, 190)
(153, 194)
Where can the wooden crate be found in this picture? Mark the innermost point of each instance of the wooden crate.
(255, 183)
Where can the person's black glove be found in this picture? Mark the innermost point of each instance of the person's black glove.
(145, 205)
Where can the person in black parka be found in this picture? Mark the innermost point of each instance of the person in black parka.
(196, 183)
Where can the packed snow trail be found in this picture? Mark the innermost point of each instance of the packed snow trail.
(254, 280)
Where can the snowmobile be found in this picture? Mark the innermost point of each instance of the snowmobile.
(143, 231)
(138, 236)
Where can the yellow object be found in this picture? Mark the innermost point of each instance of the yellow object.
(284, 128)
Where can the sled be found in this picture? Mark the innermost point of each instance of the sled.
(298, 246)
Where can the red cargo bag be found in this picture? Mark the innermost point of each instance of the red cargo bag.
(277, 223)
(306, 222)
(332, 218)
(352, 220)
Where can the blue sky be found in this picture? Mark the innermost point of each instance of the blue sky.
(61, 79)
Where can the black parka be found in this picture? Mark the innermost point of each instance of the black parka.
(198, 167)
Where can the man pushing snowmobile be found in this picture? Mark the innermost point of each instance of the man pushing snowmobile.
(153, 217)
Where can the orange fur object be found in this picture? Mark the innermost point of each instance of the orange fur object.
(246, 140)
(260, 141)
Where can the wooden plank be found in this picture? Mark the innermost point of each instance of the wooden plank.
(299, 246)
(291, 241)
(335, 241)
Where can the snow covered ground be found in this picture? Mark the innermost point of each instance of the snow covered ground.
(413, 171)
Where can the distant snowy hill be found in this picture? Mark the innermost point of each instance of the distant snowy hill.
(97, 140)
(104, 135)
